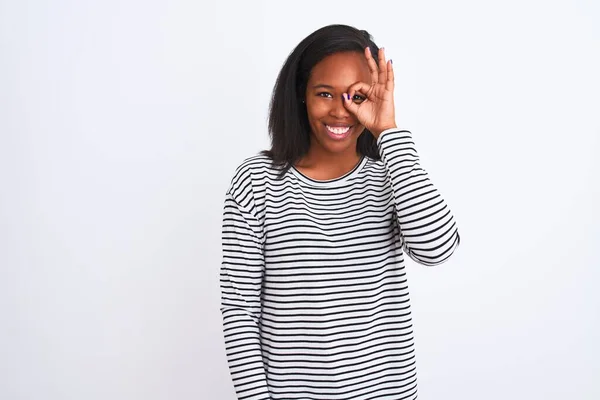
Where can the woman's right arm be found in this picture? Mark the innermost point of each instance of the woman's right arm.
(241, 281)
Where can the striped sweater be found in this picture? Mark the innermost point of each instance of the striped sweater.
(314, 299)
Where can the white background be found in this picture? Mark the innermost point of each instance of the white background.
(121, 123)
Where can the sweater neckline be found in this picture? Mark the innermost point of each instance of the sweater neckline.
(331, 182)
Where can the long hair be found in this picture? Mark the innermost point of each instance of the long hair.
(289, 128)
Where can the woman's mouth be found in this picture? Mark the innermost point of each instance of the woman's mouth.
(338, 132)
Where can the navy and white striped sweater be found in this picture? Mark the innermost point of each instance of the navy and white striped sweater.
(314, 294)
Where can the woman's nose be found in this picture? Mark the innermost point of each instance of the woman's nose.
(337, 108)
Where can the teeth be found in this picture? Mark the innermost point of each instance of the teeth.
(338, 130)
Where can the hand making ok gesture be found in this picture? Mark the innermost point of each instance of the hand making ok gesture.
(376, 112)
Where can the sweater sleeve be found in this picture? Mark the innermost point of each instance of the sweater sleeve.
(241, 282)
(427, 226)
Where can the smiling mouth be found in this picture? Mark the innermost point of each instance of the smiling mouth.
(338, 130)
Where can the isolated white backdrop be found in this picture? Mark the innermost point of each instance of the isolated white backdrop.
(121, 123)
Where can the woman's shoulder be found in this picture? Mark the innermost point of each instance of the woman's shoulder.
(250, 171)
(254, 163)
(253, 166)
(374, 167)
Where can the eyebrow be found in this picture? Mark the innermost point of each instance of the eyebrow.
(322, 85)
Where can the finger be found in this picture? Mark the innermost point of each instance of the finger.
(389, 83)
(350, 104)
(382, 66)
(372, 65)
(362, 88)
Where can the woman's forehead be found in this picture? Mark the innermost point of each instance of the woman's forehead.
(340, 69)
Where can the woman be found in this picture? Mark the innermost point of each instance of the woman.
(314, 297)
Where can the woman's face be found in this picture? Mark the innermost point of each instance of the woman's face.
(333, 128)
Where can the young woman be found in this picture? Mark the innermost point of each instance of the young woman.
(314, 295)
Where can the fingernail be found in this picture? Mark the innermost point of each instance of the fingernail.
(348, 96)
(391, 61)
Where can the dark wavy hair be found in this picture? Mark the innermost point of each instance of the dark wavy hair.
(289, 128)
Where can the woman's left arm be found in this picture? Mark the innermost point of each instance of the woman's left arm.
(427, 225)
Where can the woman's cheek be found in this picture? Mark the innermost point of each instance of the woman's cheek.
(321, 107)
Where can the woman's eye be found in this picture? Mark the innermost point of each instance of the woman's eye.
(358, 98)
(324, 94)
